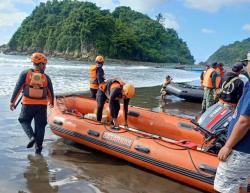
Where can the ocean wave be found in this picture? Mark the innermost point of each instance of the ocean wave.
(73, 76)
(13, 60)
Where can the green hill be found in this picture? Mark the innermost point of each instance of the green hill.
(81, 30)
(231, 53)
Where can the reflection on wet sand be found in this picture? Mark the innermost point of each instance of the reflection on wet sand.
(37, 175)
(54, 178)
(171, 104)
(178, 107)
(109, 174)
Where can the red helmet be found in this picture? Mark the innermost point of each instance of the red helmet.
(38, 58)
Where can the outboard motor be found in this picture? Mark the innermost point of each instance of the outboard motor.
(213, 124)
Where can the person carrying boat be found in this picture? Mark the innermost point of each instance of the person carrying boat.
(114, 90)
(37, 94)
(233, 172)
(211, 82)
(231, 87)
(202, 74)
(96, 75)
(164, 87)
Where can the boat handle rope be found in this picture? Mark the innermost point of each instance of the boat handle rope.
(197, 169)
(156, 137)
(113, 131)
(191, 159)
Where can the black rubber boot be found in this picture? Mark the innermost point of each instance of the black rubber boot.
(31, 142)
(39, 151)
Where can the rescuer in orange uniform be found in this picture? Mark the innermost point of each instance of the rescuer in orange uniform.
(37, 91)
(211, 82)
(114, 90)
(96, 76)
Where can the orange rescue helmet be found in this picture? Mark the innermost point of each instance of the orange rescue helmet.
(99, 59)
(129, 90)
(38, 58)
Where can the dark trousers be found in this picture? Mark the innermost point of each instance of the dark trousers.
(100, 99)
(39, 114)
(114, 105)
(93, 93)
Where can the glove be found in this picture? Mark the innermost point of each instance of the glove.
(12, 106)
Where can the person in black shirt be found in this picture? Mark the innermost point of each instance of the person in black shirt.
(232, 86)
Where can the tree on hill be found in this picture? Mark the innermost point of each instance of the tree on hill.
(231, 53)
(84, 30)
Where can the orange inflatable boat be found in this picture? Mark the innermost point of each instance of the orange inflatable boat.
(158, 123)
(156, 141)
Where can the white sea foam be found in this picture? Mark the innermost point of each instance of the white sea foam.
(70, 76)
(69, 180)
(95, 188)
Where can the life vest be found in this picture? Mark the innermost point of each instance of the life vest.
(93, 82)
(202, 77)
(36, 85)
(207, 80)
(111, 84)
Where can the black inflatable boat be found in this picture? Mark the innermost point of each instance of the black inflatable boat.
(188, 92)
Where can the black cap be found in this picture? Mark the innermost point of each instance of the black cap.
(214, 65)
(237, 67)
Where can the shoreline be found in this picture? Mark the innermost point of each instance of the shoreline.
(107, 60)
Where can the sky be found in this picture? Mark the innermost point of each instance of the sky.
(205, 25)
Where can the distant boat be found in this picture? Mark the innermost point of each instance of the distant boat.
(197, 69)
(188, 92)
(180, 67)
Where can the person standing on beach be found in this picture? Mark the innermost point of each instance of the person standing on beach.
(231, 86)
(114, 90)
(202, 74)
(233, 172)
(211, 82)
(37, 91)
(96, 76)
(163, 91)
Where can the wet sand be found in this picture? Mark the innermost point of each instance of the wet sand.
(68, 167)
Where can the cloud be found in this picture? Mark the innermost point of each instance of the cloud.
(9, 14)
(7, 6)
(12, 19)
(170, 21)
(137, 5)
(246, 27)
(207, 31)
(212, 5)
(26, 1)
